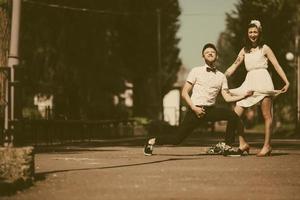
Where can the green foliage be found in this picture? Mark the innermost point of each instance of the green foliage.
(3, 2)
(31, 113)
(141, 120)
(84, 58)
(140, 40)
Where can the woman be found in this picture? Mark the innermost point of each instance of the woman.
(256, 54)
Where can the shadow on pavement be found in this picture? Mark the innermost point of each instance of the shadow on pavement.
(42, 175)
(69, 150)
(179, 155)
(8, 189)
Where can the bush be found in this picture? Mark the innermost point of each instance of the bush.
(157, 127)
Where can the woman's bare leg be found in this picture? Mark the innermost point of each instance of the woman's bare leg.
(267, 112)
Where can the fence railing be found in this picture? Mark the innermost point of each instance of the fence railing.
(38, 132)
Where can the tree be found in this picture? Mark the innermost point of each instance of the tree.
(4, 47)
(141, 36)
(84, 58)
(68, 54)
(4, 32)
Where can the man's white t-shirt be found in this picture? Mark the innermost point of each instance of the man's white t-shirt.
(206, 85)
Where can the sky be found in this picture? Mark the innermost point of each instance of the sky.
(201, 22)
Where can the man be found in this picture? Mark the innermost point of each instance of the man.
(206, 82)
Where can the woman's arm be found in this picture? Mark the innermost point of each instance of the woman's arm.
(236, 64)
(270, 55)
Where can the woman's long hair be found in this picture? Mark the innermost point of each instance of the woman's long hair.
(248, 43)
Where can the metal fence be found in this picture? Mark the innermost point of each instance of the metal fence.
(39, 132)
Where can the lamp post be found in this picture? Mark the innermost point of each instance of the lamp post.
(298, 81)
(13, 60)
(159, 66)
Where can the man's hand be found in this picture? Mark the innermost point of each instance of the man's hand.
(249, 93)
(200, 111)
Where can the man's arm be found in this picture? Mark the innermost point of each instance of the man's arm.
(231, 98)
(185, 93)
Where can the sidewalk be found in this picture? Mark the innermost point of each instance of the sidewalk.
(117, 169)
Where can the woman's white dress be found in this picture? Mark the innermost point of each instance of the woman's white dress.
(257, 79)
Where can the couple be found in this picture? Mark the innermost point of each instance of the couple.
(206, 82)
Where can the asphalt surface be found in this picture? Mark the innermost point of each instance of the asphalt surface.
(117, 169)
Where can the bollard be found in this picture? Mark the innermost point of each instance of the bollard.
(16, 167)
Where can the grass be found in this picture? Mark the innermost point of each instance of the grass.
(285, 127)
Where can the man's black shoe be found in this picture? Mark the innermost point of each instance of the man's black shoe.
(148, 149)
(231, 152)
(218, 149)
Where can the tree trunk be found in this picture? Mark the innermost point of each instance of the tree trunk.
(4, 47)
(4, 36)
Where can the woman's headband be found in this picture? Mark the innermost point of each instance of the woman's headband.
(256, 23)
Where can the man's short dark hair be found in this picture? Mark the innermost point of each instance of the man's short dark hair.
(209, 45)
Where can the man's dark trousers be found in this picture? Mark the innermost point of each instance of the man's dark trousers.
(212, 114)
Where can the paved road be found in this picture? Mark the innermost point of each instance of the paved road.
(107, 170)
